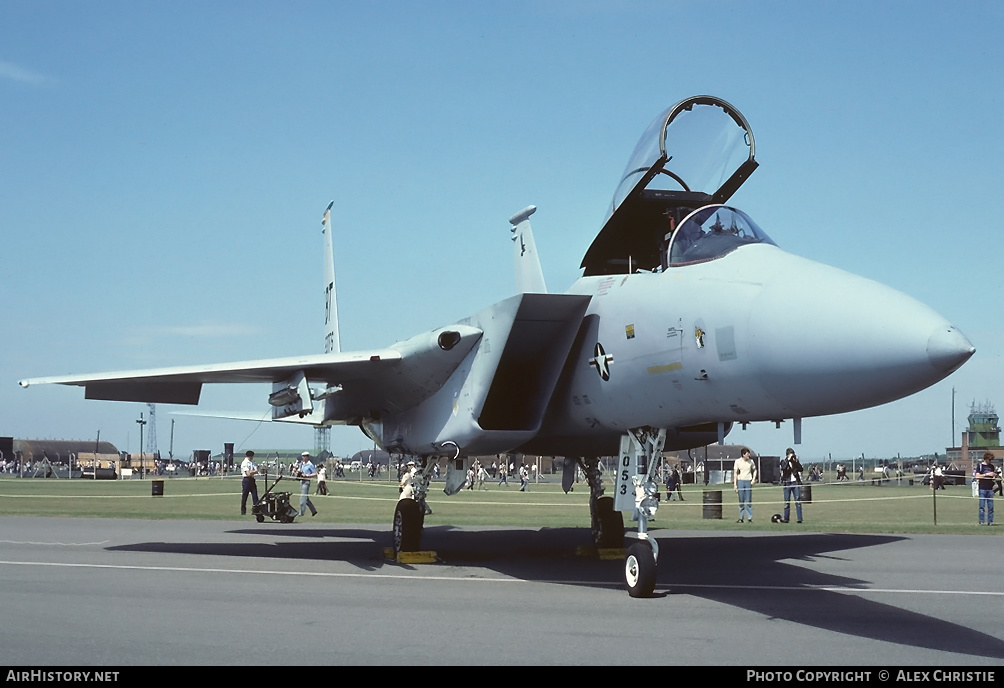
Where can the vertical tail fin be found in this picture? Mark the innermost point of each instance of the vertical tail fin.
(529, 276)
(332, 343)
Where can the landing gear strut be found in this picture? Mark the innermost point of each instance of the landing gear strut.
(638, 490)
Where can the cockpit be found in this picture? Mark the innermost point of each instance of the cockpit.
(668, 207)
(711, 232)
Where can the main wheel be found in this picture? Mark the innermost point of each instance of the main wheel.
(608, 525)
(408, 522)
(640, 570)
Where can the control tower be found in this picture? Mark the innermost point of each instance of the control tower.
(983, 434)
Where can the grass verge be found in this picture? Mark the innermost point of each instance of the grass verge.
(840, 507)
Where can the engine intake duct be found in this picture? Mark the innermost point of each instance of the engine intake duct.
(535, 351)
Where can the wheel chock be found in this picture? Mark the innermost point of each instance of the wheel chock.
(604, 553)
(425, 557)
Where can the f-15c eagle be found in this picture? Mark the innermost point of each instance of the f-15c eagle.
(687, 319)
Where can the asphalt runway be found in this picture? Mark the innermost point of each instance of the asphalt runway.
(106, 592)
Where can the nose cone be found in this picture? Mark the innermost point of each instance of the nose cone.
(948, 349)
(825, 341)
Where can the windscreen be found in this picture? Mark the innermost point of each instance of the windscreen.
(712, 232)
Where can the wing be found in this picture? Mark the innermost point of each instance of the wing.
(183, 384)
(359, 383)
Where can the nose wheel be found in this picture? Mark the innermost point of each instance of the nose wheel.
(640, 570)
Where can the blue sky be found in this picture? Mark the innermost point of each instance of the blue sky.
(165, 166)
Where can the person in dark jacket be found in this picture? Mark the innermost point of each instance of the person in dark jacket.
(791, 479)
(986, 473)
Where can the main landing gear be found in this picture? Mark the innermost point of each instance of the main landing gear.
(409, 519)
(607, 523)
(411, 509)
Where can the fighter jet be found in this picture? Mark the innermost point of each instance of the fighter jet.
(687, 320)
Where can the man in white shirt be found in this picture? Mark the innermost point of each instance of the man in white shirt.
(407, 484)
(248, 484)
(307, 471)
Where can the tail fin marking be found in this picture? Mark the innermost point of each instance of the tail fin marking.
(332, 343)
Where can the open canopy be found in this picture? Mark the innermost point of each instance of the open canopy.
(696, 153)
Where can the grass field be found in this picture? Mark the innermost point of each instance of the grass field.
(841, 507)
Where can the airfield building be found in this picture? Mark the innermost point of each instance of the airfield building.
(57, 451)
(983, 434)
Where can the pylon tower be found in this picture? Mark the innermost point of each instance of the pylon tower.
(322, 440)
(151, 432)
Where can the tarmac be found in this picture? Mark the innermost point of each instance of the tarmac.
(124, 592)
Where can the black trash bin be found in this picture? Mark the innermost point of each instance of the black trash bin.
(157, 488)
(712, 508)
